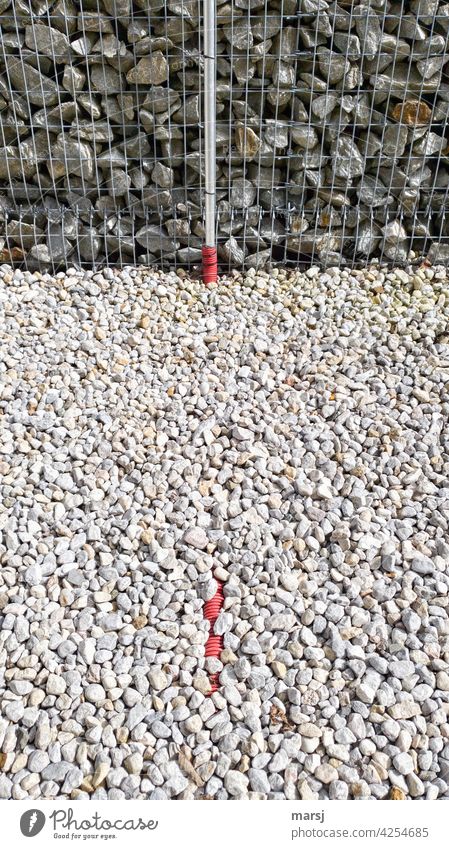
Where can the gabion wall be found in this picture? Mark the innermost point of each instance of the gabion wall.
(332, 139)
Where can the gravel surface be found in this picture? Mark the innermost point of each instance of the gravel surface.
(286, 432)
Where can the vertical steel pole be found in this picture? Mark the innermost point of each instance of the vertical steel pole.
(209, 249)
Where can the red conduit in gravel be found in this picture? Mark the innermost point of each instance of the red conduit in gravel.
(214, 645)
(210, 266)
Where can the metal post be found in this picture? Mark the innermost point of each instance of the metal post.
(209, 249)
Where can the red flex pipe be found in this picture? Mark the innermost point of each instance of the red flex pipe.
(210, 267)
(214, 645)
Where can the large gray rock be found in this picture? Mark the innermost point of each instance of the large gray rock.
(40, 90)
(69, 156)
(105, 79)
(150, 70)
(49, 41)
(347, 161)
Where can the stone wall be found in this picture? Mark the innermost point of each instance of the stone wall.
(332, 131)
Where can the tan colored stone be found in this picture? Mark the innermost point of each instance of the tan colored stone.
(279, 669)
(415, 113)
(247, 142)
(397, 794)
(147, 537)
(99, 775)
(305, 792)
(140, 622)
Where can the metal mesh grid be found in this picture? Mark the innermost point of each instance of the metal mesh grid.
(332, 132)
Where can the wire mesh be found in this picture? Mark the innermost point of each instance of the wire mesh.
(331, 132)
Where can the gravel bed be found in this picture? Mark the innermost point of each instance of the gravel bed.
(286, 432)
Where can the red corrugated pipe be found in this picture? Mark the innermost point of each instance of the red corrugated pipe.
(214, 645)
(210, 266)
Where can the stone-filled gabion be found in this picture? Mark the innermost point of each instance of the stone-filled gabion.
(332, 140)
